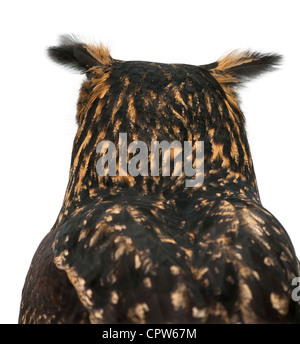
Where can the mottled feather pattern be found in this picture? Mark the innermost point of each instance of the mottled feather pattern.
(148, 249)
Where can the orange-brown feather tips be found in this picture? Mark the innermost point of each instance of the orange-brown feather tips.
(100, 52)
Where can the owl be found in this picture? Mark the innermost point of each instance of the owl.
(161, 220)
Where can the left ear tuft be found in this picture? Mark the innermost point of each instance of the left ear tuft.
(77, 55)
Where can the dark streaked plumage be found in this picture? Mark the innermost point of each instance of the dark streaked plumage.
(148, 249)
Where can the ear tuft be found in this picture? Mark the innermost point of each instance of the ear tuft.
(238, 67)
(77, 55)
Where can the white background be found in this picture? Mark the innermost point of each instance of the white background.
(38, 101)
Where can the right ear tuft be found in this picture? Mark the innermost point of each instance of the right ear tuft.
(238, 67)
(77, 55)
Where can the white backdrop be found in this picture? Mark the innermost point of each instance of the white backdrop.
(39, 98)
